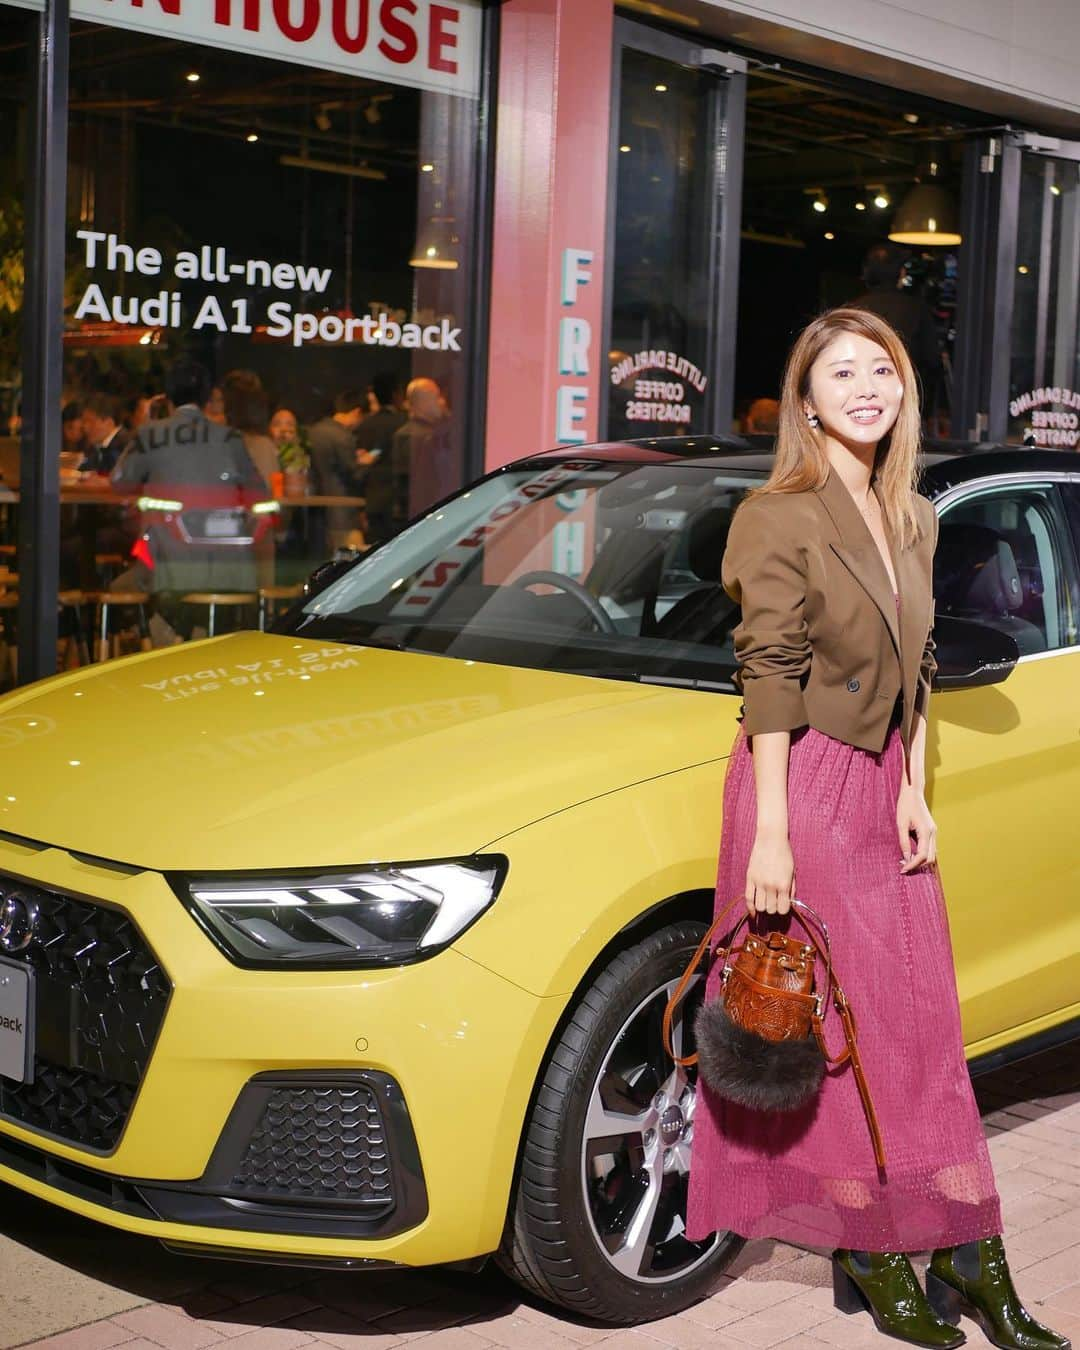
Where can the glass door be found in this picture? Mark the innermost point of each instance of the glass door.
(1018, 342)
(675, 186)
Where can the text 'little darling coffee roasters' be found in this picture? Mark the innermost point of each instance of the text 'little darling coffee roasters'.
(199, 308)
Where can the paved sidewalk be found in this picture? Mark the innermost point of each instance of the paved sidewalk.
(70, 1285)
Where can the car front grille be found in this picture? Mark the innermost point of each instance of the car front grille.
(101, 997)
(318, 1143)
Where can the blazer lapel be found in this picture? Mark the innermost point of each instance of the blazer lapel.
(859, 553)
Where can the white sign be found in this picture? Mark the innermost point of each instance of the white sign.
(575, 339)
(213, 309)
(1053, 416)
(425, 44)
(663, 399)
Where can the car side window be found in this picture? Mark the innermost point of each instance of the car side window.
(1003, 559)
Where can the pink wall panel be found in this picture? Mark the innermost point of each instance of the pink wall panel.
(550, 213)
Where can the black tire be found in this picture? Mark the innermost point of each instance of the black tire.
(577, 1234)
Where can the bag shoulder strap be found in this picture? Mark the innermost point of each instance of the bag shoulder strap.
(680, 990)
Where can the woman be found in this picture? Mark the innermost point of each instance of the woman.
(247, 410)
(831, 561)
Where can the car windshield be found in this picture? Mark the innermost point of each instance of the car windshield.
(585, 566)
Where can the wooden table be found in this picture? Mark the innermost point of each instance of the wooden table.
(99, 494)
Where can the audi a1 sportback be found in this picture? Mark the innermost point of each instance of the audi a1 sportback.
(349, 943)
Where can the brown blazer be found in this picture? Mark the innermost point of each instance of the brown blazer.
(819, 643)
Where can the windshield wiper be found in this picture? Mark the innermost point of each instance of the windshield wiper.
(668, 681)
(681, 682)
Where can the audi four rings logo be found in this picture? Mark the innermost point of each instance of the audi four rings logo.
(18, 922)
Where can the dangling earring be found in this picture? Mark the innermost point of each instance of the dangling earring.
(812, 420)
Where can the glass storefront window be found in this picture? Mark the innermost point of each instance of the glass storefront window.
(1044, 376)
(661, 286)
(267, 329)
(19, 25)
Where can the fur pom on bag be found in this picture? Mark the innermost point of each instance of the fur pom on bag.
(751, 1071)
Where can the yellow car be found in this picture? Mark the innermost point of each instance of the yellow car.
(348, 944)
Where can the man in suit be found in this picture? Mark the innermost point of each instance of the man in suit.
(108, 439)
(335, 463)
(204, 466)
(421, 468)
(374, 442)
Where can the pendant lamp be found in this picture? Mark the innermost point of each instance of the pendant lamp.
(928, 214)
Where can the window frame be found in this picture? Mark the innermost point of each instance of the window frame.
(1066, 537)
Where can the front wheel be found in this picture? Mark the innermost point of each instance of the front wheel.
(597, 1223)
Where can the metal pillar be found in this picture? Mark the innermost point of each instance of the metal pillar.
(43, 320)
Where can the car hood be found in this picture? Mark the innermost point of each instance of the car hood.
(263, 751)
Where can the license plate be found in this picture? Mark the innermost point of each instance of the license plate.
(17, 1012)
(221, 524)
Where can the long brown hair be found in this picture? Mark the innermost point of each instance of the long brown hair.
(801, 464)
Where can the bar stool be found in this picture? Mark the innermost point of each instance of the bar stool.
(271, 597)
(215, 600)
(108, 640)
(76, 647)
(108, 566)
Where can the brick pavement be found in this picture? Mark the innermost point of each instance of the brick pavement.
(69, 1285)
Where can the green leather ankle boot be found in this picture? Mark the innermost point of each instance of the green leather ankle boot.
(885, 1284)
(974, 1278)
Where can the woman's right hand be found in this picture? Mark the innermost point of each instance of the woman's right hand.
(770, 874)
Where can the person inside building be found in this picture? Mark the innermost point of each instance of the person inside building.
(336, 466)
(762, 418)
(71, 428)
(107, 439)
(138, 412)
(903, 310)
(205, 465)
(214, 407)
(374, 442)
(247, 411)
(421, 468)
(284, 428)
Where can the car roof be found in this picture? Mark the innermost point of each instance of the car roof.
(943, 463)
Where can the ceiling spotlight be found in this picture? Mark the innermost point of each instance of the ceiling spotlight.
(860, 206)
(251, 137)
(427, 168)
(829, 234)
(193, 77)
(881, 201)
(911, 117)
(624, 149)
(1023, 270)
(1055, 189)
(660, 88)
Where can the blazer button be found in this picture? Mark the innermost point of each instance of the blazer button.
(853, 686)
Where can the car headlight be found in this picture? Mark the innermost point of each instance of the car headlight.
(386, 914)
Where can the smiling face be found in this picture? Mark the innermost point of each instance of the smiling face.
(283, 428)
(855, 391)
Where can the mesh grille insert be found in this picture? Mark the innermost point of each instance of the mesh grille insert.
(318, 1143)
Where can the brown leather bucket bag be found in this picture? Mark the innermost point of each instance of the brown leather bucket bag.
(761, 1042)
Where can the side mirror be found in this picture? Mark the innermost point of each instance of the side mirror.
(971, 654)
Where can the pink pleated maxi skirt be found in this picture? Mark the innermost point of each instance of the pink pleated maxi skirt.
(809, 1177)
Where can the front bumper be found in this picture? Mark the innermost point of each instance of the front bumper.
(446, 1049)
